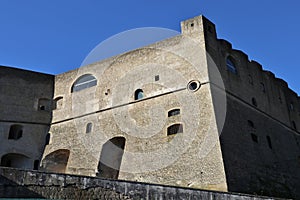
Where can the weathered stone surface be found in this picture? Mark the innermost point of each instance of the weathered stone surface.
(239, 126)
(100, 189)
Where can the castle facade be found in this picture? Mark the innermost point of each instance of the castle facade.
(186, 111)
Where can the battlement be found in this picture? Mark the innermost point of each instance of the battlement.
(247, 79)
(160, 106)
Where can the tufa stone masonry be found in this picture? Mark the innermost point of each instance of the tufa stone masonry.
(188, 111)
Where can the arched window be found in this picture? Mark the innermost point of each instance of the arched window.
(15, 132)
(83, 82)
(174, 129)
(138, 94)
(174, 112)
(89, 128)
(230, 65)
(254, 102)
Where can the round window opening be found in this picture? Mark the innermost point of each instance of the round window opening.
(194, 85)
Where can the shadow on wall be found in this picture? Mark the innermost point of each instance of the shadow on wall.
(15, 160)
(111, 158)
(10, 189)
(56, 161)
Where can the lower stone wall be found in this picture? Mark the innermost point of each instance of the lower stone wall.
(15, 183)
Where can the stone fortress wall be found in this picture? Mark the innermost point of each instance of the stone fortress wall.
(260, 139)
(16, 183)
(163, 107)
(162, 71)
(25, 116)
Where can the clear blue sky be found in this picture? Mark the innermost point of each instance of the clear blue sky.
(55, 36)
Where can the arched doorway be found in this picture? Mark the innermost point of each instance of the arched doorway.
(56, 161)
(16, 161)
(111, 158)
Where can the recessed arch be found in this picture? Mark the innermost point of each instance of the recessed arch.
(15, 132)
(16, 160)
(44, 104)
(111, 158)
(56, 161)
(84, 82)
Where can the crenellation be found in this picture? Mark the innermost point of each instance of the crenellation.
(255, 65)
(269, 73)
(259, 85)
(241, 55)
(187, 111)
(224, 44)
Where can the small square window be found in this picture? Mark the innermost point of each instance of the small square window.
(157, 78)
(254, 137)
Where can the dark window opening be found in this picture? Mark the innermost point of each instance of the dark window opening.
(47, 139)
(230, 65)
(138, 94)
(269, 142)
(44, 104)
(84, 82)
(250, 123)
(107, 92)
(254, 137)
(15, 132)
(193, 86)
(294, 125)
(36, 165)
(192, 24)
(16, 161)
(254, 102)
(156, 78)
(89, 128)
(174, 129)
(174, 112)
